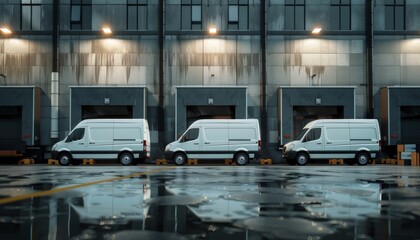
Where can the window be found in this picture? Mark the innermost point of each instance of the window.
(358, 134)
(238, 15)
(395, 14)
(137, 14)
(81, 15)
(192, 134)
(127, 133)
(313, 134)
(191, 15)
(341, 14)
(77, 134)
(294, 15)
(30, 15)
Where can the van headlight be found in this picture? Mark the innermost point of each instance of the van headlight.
(167, 147)
(289, 147)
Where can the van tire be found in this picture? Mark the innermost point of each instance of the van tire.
(179, 159)
(126, 158)
(362, 158)
(302, 158)
(241, 158)
(64, 159)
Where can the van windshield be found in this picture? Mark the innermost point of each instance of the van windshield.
(300, 135)
(77, 134)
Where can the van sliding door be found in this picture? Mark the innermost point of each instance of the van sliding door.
(215, 143)
(337, 141)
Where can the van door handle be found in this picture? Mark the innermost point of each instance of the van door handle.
(319, 143)
(91, 143)
(81, 143)
(195, 143)
(206, 143)
(329, 142)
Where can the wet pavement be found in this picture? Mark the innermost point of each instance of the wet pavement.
(209, 202)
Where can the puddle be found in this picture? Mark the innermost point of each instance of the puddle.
(176, 200)
(215, 203)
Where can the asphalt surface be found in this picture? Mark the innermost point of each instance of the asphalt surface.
(209, 202)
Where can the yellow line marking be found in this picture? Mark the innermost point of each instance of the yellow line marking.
(62, 189)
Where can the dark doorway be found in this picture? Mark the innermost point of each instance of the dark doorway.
(209, 112)
(304, 114)
(92, 112)
(10, 126)
(410, 124)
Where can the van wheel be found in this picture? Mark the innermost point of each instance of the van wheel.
(64, 159)
(241, 159)
(362, 158)
(126, 158)
(302, 159)
(180, 159)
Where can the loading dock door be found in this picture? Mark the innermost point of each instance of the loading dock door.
(91, 112)
(10, 127)
(410, 124)
(304, 114)
(195, 113)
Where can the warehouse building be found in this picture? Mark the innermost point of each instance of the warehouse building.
(284, 62)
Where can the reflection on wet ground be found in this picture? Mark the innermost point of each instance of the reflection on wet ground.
(209, 202)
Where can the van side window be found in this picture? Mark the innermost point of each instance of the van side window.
(77, 134)
(313, 134)
(192, 134)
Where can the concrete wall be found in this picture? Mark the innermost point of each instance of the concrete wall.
(397, 96)
(116, 61)
(87, 58)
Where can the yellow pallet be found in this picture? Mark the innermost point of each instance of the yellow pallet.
(52, 162)
(389, 161)
(336, 161)
(161, 161)
(26, 161)
(229, 162)
(266, 161)
(192, 161)
(88, 161)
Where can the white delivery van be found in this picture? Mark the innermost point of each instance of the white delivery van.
(125, 140)
(237, 139)
(355, 140)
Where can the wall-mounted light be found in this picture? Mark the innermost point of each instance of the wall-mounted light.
(5, 30)
(316, 30)
(106, 30)
(212, 30)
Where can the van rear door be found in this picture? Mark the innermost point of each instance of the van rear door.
(364, 136)
(244, 137)
(128, 136)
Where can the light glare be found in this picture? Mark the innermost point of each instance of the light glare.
(316, 30)
(6, 30)
(212, 30)
(107, 30)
